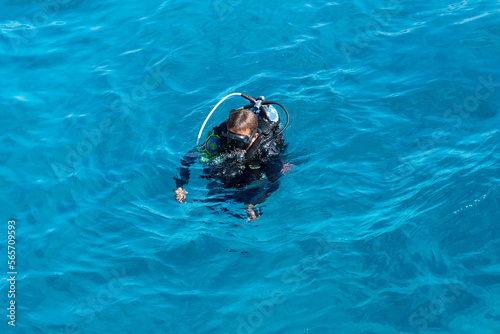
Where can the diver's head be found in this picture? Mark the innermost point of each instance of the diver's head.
(241, 130)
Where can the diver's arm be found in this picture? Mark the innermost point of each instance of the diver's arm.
(273, 169)
(186, 162)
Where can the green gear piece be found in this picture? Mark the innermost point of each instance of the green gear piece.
(206, 156)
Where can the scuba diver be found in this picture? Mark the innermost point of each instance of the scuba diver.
(237, 154)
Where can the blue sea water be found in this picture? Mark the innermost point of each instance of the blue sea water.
(388, 222)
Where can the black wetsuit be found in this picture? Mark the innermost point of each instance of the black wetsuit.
(239, 180)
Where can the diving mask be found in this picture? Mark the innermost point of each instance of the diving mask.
(237, 141)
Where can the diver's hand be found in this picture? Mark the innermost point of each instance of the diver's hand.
(251, 213)
(180, 195)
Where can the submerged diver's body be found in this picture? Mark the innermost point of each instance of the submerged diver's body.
(240, 156)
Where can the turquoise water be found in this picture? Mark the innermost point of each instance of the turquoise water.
(387, 224)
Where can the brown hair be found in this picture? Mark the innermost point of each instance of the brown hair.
(242, 120)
